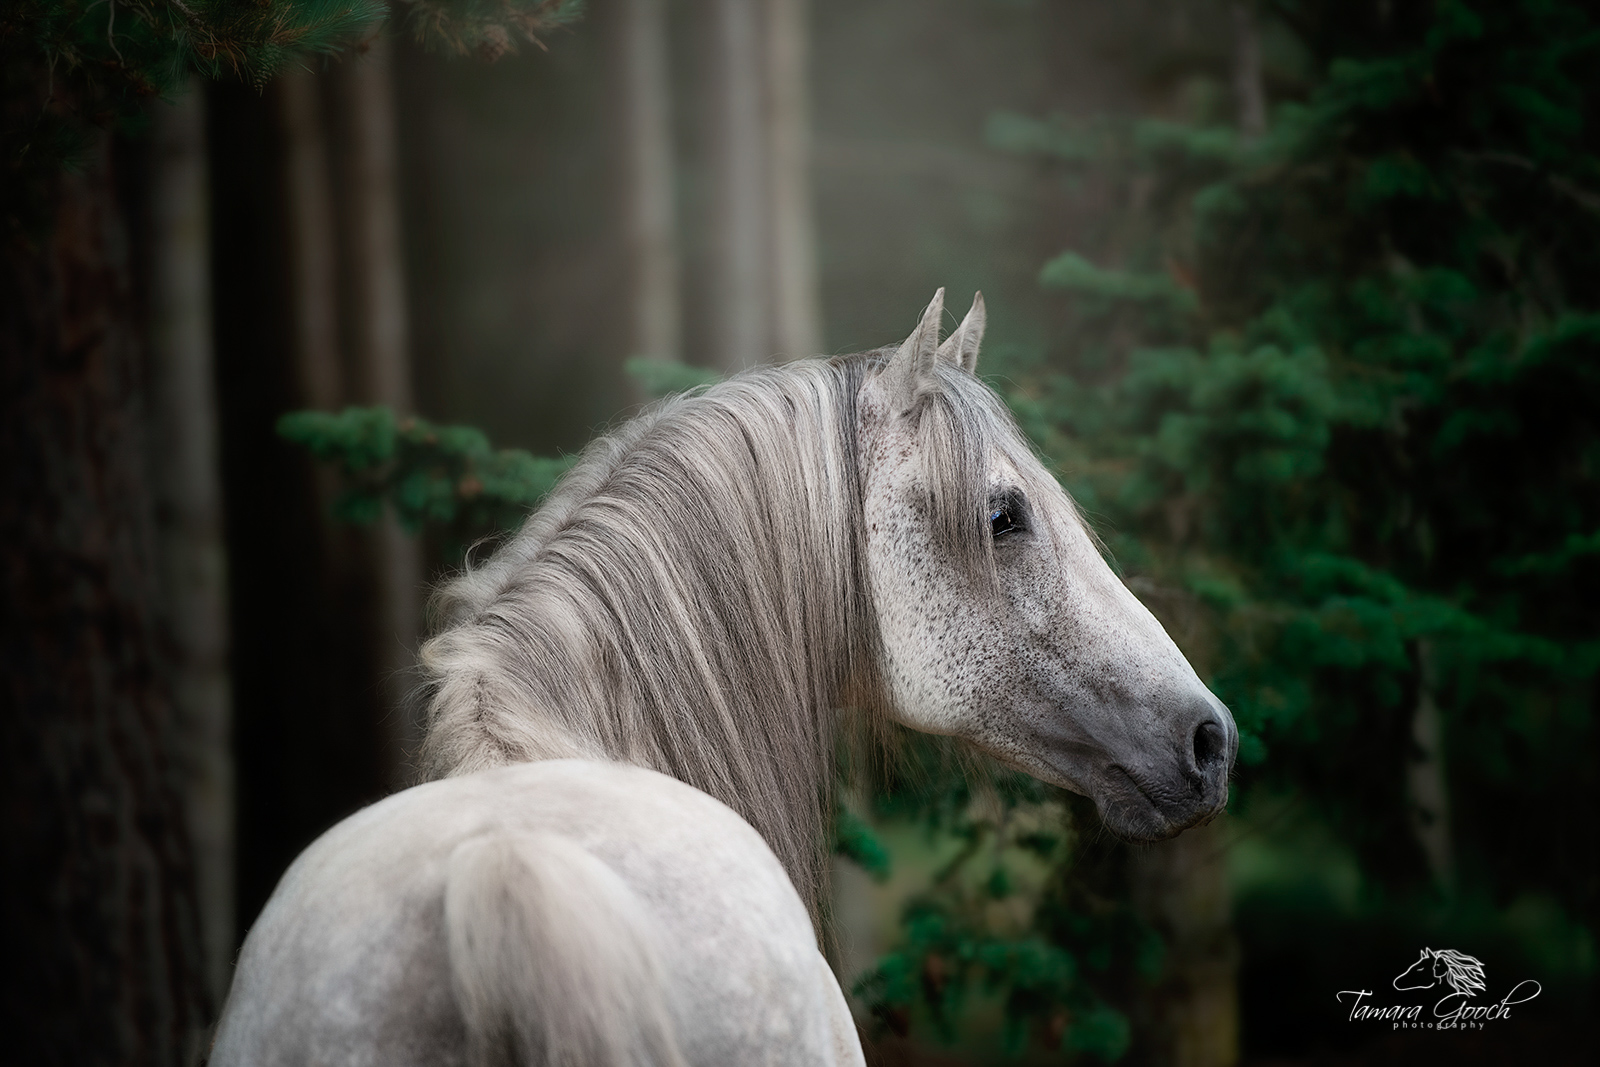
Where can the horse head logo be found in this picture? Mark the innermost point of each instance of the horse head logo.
(1462, 973)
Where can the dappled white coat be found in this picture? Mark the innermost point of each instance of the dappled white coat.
(560, 912)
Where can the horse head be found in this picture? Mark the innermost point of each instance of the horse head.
(1000, 622)
(1419, 975)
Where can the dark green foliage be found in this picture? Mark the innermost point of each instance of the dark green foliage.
(138, 48)
(1336, 390)
(1348, 403)
(444, 476)
(855, 840)
(1019, 920)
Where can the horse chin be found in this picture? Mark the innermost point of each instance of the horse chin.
(1127, 809)
(1128, 813)
(1124, 806)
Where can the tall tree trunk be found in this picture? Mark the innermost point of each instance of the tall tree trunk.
(796, 316)
(1425, 781)
(651, 237)
(1181, 887)
(100, 932)
(381, 366)
(298, 582)
(312, 268)
(187, 475)
(764, 275)
(1249, 90)
(1190, 1017)
(312, 255)
(740, 278)
(364, 91)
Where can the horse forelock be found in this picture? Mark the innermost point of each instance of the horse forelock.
(963, 427)
(692, 598)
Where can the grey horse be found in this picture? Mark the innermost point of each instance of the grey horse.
(634, 711)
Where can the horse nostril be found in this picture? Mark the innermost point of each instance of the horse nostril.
(1210, 744)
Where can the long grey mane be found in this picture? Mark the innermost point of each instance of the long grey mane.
(691, 598)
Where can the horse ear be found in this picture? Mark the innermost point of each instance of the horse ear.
(910, 369)
(961, 347)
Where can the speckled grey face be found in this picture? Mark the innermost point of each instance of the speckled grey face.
(1001, 624)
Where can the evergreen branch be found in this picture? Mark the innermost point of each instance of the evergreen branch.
(1571, 190)
(855, 840)
(445, 477)
(153, 47)
(487, 28)
(663, 377)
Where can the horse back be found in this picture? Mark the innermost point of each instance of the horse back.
(504, 916)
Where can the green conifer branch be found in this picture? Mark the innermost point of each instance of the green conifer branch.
(448, 477)
(486, 28)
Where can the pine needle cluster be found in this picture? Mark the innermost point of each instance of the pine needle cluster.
(445, 477)
(487, 29)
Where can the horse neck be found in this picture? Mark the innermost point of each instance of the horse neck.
(690, 602)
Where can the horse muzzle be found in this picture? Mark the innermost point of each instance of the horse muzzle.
(1143, 799)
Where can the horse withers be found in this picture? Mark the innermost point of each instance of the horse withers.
(634, 713)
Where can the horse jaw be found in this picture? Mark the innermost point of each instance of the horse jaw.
(1056, 669)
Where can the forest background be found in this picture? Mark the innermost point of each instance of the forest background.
(1298, 297)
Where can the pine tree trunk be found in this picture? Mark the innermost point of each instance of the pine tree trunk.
(1190, 1017)
(1181, 887)
(740, 281)
(376, 322)
(649, 212)
(796, 316)
(1249, 90)
(186, 470)
(100, 934)
(1425, 782)
(312, 255)
(364, 91)
(312, 267)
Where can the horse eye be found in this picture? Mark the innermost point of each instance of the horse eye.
(1007, 514)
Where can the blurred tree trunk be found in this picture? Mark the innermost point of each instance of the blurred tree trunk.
(100, 934)
(344, 567)
(187, 475)
(651, 238)
(1425, 781)
(1249, 90)
(764, 283)
(376, 331)
(796, 314)
(312, 270)
(739, 276)
(1192, 1015)
(299, 582)
(313, 260)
